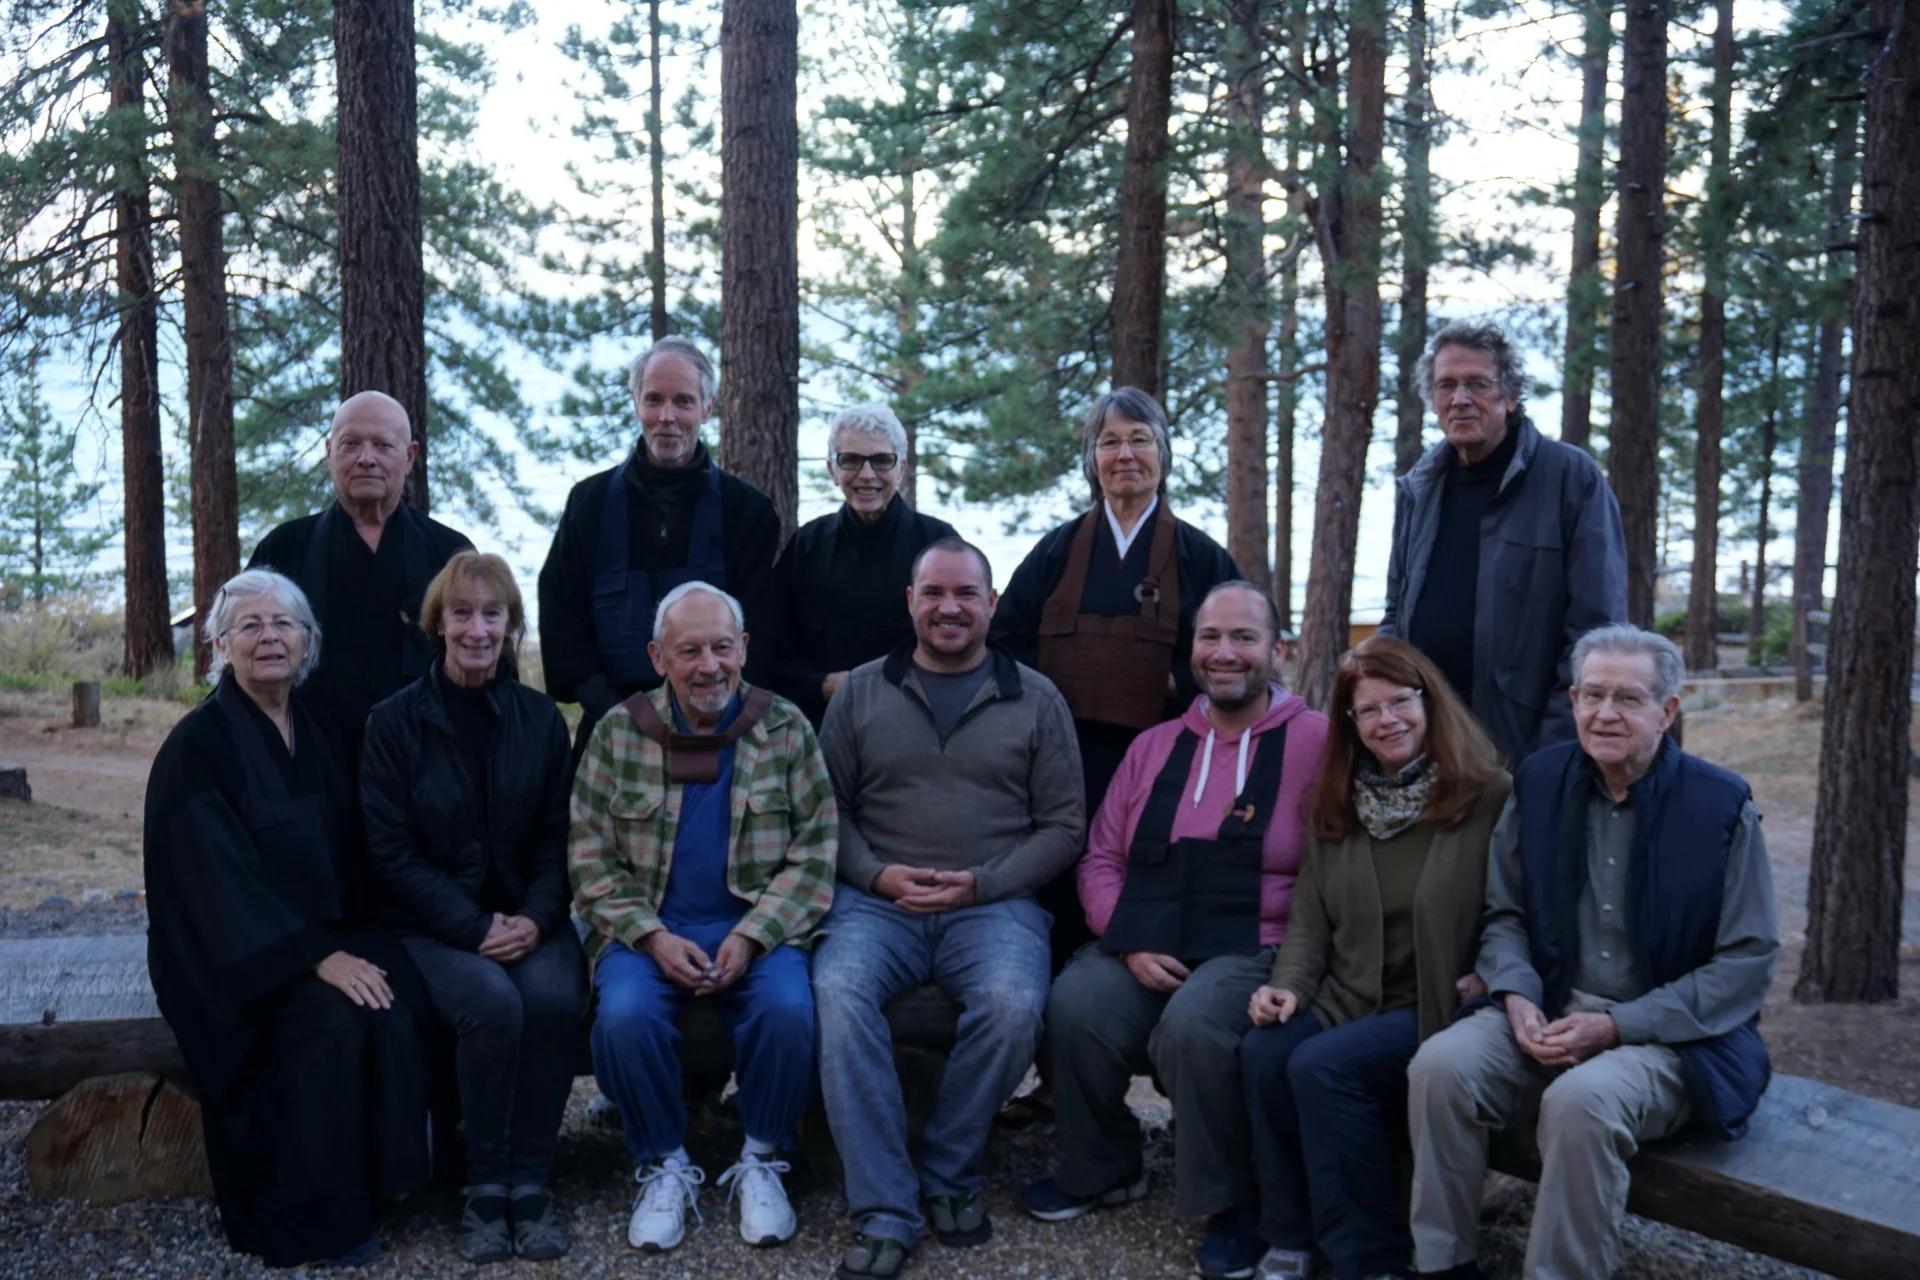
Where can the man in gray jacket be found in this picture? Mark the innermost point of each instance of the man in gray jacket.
(1506, 546)
(958, 780)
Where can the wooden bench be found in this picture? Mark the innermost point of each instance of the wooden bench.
(1824, 1178)
(78, 1022)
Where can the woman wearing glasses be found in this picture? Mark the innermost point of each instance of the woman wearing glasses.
(1104, 605)
(842, 580)
(296, 1018)
(1378, 956)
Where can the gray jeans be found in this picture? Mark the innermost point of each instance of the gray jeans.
(1103, 1028)
(518, 1040)
(1472, 1078)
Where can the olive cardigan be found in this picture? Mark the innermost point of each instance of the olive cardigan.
(1332, 955)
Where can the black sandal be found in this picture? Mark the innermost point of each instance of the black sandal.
(872, 1258)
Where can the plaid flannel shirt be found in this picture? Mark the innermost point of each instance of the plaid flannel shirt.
(624, 815)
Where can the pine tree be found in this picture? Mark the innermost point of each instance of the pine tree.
(48, 543)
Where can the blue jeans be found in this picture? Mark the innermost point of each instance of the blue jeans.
(1325, 1105)
(992, 959)
(636, 1044)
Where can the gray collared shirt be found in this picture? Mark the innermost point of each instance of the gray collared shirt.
(1709, 1001)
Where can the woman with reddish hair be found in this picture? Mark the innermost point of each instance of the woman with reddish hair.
(1378, 956)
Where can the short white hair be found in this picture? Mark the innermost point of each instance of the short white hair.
(1669, 668)
(249, 584)
(688, 351)
(871, 417)
(686, 589)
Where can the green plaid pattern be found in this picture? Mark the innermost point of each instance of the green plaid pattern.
(624, 815)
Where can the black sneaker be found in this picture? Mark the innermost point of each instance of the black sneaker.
(1046, 1201)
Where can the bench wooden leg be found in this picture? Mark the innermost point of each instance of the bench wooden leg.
(117, 1138)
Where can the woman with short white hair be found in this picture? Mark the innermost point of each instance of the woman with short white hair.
(297, 1020)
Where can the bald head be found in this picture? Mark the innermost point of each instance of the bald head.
(369, 452)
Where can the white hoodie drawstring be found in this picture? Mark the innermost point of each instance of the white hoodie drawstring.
(1239, 768)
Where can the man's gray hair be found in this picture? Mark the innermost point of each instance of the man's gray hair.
(250, 584)
(709, 381)
(1490, 338)
(686, 589)
(874, 417)
(1127, 402)
(1669, 669)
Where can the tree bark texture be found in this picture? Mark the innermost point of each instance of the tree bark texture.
(1769, 441)
(1348, 218)
(203, 271)
(656, 162)
(1286, 399)
(1711, 423)
(1815, 470)
(1140, 271)
(1584, 288)
(149, 641)
(1633, 452)
(383, 343)
(759, 234)
(1860, 816)
(1246, 291)
(1416, 249)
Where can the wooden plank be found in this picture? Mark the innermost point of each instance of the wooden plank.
(1824, 1178)
(71, 1008)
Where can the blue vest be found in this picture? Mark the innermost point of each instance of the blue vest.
(624, 598)
(1685, 812)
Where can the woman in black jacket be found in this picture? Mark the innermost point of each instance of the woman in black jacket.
(464, 782)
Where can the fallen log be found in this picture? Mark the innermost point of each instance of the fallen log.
(116, 1138)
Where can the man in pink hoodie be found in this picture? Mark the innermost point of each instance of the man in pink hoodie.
(1188, 873)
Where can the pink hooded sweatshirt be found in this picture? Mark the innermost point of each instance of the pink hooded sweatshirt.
(1220, 761)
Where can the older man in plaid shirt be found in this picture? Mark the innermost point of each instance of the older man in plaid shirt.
(702, 854)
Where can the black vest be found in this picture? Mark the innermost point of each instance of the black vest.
(1685, 812)
(1196, 899)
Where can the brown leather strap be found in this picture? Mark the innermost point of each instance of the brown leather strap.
(1063, 606)
(695, 757)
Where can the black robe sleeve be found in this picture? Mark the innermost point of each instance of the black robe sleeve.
(569, 652)
(1016, 619)
(794, 677)
(751, 543)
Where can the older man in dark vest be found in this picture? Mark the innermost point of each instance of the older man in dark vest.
(364, 563)
(665, 516)
(1630, 939)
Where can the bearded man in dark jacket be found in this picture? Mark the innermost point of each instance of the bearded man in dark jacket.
(665, 516)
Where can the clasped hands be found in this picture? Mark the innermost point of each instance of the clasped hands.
(1564, 1042)
(509, 938)
(924, 891)
(687, 966)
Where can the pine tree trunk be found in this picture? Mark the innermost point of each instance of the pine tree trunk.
(203, 272)
(1349, 237)
(383, 344)
(1140, 272)
(1416, 248)
(1701, 625)
(1633, 454)
(149, 641)
(1246, 291)
(1860, 818)
(1769, 441)
(1815, 479)
(759, 235)
(656, 161)
(1286, 399)
(1584, 288)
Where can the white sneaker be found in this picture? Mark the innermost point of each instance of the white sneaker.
(667, 1191)
(766, 1217)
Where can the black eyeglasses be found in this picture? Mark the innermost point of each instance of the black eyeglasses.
(880, 462)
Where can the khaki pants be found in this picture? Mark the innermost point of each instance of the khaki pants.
(1472, 1078)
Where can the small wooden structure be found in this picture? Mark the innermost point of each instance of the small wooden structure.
(86, 704)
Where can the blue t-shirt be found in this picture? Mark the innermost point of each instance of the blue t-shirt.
(697, 890)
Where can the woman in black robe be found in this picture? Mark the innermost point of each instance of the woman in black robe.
(299, 1024)
(1103, 606)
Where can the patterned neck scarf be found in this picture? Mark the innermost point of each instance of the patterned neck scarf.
(1389, 805)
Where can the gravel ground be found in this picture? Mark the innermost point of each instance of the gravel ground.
(180, 1237)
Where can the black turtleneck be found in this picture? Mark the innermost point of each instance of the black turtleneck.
(471, 713)
(1442, 625)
